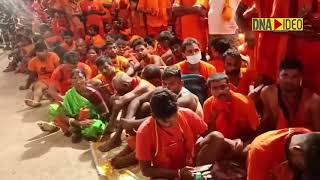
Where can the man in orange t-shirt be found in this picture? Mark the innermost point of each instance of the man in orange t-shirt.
(193, 23)
(194, 64)
(93, 12)
(73, 11)
(60, 81)
(157, 15)
(166, 141)
(285, 154)
(241, 79)
(68, 42)
(232, 122)
(41, 67)
(218, 48)
(144, 56)
(119, 62)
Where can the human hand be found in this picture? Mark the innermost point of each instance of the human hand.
(127, 123)
(86, 123)
(186, 173)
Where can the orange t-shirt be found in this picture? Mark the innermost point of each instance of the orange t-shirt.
(93, 67)
(194, 25)
(97, 40)
(172, 150)
(61, 76)
(121, 63)
(44, 69)
(205, 70)
(218, 64)
(158, 11)
(107, 82)
(267, 158)
(67, 47)
(235, 119)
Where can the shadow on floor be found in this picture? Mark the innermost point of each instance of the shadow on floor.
(35, 114)
(42, 145)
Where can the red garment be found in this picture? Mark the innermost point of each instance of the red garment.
(267, 158)
(61, 77)
(93, 19)
(169, 151)
(59, 25)
(235, 119)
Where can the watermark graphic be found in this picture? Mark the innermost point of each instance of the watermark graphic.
(277, 24)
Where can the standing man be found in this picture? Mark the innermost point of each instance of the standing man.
(222, 20)
(193, 22)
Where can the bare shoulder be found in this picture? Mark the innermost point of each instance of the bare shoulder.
(269, 91)
(315, 101)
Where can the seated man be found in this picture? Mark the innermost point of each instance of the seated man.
(119, 62)
(68, 42)
(60, 81)
(166, 141)
(232, 121)
(152, 73)
(144, 56)
(194, 64)
(81, 48)
(241, 79)
(41, 66)
(218, 48)
(94, 38)
(80, 111)
(285, 154)
(103, 81)
(171, 79)
(163, 49)
(177, 53)
(133, 94)
(287, 103)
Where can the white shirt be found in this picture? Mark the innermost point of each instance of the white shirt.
(215, 20)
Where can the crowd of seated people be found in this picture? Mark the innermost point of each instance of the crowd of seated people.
(246, 103)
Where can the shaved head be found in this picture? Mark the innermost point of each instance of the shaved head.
(122, 83)
(152, 73)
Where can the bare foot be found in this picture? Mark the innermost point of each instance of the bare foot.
(47, 127)
(32, 103)
(111, 144)
(124, 161)
(76, 138)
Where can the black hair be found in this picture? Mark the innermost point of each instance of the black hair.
(163, 103)
(95, 28)
(120, 42)
(311, 149)
(234, 53)
(171, 71)
(139, 42)
(41, 46)
(44, 27)
(149, 40)
(175, 41)
(101, 60)
(189, 42)
(221, 45)
(217, 77)
(291, 64)
(71, 57)
(165, 36)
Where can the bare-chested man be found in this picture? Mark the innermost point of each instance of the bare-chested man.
(171, 79)
(287, 103)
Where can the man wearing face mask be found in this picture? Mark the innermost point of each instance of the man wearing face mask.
(240, 78)
(193, 63)
(287, 103)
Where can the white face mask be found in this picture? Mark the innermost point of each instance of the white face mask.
(194, 59)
